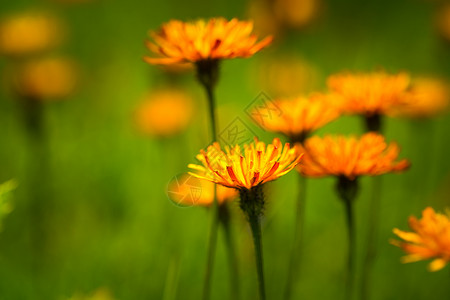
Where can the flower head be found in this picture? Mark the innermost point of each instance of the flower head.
(47, 79)
(189, 191)
(369, 94)
(300, 116)
(430, 239)
(350, 157)
(28, 33)
(164, 112)
(178, 42)
(425, 98)
(245, 168)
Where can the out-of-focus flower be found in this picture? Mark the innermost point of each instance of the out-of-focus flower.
(295, 13)
(302, 115)
(430, 239)
(287, 76)
(187, 190)
(246, 168)
(261, 12)
(350, 157)
(443, 21)
(29, 33)
(426, 97)
(47, 79)
(164, 112)
(99, 294)
(178, 42)
(370, 94)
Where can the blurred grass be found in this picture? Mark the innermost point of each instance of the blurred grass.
(111, 223)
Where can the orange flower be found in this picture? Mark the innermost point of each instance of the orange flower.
(28, 33)
(369, 94)
(179, 42)
(164, 112)
(47, 79)
(300, 116)
(427, 97)
(296, 13)
(443, 21)
(350, 157)
(430, 239)
(246, 168)
(187, 190)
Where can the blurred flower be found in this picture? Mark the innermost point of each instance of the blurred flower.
(188, 190)
(28, 33)
(261, 12)
(99, 294)
(46, 79)
(295, 13)
(443, 21)
(287, 76)
(178, 42)
(246, 168)
(302, 115)
(425, 98)
(430, 239)
(369, 94)
(164, 112)
(350, 157)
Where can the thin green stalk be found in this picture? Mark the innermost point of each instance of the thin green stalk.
(298, 238)
(211, 254)
(232, 257)
(372, 235)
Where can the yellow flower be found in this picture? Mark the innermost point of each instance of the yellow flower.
(443, 21)
(165, 112)
(430, 239)
(47, 79)
(426, 97)
(187, 190)
(99, 294)
(300, 116)
(296, 13)
(179, 42)
(245, 168)
(28, 33)
(350, 157)
(369, 94)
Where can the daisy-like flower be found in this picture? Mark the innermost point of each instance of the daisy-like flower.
(187, 190)
(430, 239)
(370, 95)
(299, 117)
(350, 157)
(426, 97)
(28, 33)
(217, 38)
(164, 112)
(248, 167)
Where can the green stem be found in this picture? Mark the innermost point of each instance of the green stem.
(207, 74)
(298, 237)
(372, 234)
(252, 204)
(224, 216)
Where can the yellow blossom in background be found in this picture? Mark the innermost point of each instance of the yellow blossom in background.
(177, 42)
(265, 23)
(187, 190)
(28, 33)
(295, 13)
(371, 93)
(47, 79)
(300, 116)
(429, 239)
(426, 97)
(99, 294)
(164, 112)
(443, 21)
(350, 156)
(248, 166)
(287, 76)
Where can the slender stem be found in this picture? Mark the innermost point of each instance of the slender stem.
(207, 74)
(224, 217)
(298, 238)
(255, 225)
(372, 234)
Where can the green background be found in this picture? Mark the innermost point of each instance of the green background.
(100, 187)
